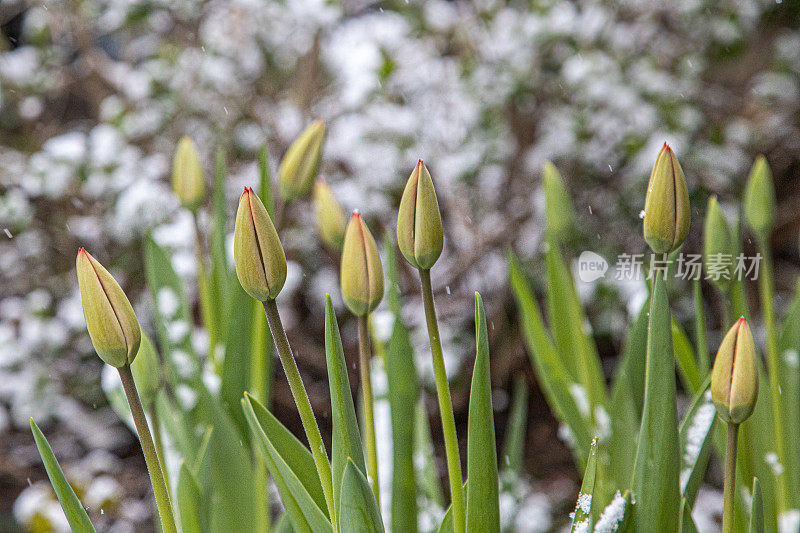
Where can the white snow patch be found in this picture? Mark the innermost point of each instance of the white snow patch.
(612, 515)
(789, 521)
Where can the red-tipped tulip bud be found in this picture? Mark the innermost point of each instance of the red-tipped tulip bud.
(257, 251)
(331, 220)
(419, 223)
(362, 273)
(666, 206)
(110, 319)
(734, 379)
(300, 165)
(187, 175)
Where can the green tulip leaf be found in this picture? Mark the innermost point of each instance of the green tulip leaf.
(582, 517)
(657, 465)
(346, 442)
(483, 508)
(358, 510)
(73, 510)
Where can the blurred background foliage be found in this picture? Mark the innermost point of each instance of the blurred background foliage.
(94, 94)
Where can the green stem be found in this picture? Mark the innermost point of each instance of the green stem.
(159, 443)
(148, 448)
(767, 297)
(303, 405)
(730, 478)
(364, 356)
(445, 405)
(260, 357)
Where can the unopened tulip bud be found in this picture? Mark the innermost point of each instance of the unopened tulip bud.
(300, 165)
(734, 379)
(187, 175)
(666, 206)
(759, 198)
(717, 245)
(147, 371)
(110, 319)
(419, 222)
(331, 220)
(257, 251)
(557, 205)
(361, 270)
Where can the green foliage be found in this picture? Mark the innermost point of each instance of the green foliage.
(213, 408)
(483, 512)
(73, 509)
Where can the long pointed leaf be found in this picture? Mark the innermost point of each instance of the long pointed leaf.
(190, 504)
(403, 394)
(550, 371)
(757, 511)
(627, 396)
(684, 356)
(655, 476)
(426, 470)
(73, 510)
(696, 437)
(358, 510)
(483, 507)
(230, 460)
(516, 428)
(582, 517)
(292, 468)
(568, 325)
(346, 437)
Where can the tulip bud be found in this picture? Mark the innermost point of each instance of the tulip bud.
(110, 319)
(419, 222)
(759, 198)
(734, 379)
(557, 205)
(187, 175)
(331, 220)
(300, 165)
(257, 251)
(716, 244)
(666, 206)
(146, 370)
(362, 273)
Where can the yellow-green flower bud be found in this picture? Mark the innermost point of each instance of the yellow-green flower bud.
(331, 220)
(759, 198)
(666, 206)
(146, 370)
(419, 222)
(734, 379)
(361, 270)
(257, 251)
(187, 175)
(110, 319)
(717, 254)
(300, 165)
(557, 205)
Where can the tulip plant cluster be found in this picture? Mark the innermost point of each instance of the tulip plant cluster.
(641, 461)
(213, 411)
(228, 442)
